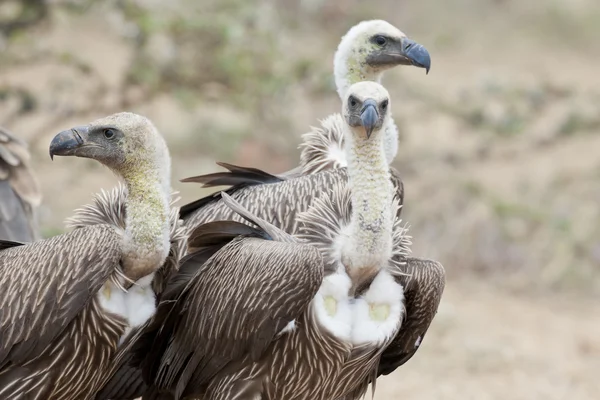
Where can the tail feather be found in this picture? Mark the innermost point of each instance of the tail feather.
(7, 244)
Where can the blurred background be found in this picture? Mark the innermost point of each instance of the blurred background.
(499, 148)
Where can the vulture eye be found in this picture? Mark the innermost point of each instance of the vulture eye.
(109, 133)
(380, 40)
(384, 105)
(353, 103)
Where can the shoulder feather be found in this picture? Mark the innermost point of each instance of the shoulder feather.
(109, 207)
(237, 177)
(323, 147)
(45, 284)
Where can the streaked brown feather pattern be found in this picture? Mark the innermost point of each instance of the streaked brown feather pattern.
(81, 338)
(188, 357)
(237, 304)
(54, 335)
(279, 203)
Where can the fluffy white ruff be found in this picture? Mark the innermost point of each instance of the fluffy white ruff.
(384, 292)
(352, 319)
(135, 306)
(334, 290)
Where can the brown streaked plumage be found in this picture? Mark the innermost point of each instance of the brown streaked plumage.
(19, 191)
(207, 342)
(62, 315)
(51, 317)
(298, 364)
(278, 202)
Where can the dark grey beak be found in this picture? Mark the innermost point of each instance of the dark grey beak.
(66, 143)
(369, 116)
(416, 54)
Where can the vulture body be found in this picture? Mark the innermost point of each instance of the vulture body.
(313, 316)
(19, 191)
(64, 308)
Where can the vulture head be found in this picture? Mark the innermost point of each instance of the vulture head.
(371, 47)
(366, 110)
(127, 143)
(131, 146)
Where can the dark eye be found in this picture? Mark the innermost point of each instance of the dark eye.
(353, 103)
(380, 40)
(384, 105)
(109, 133)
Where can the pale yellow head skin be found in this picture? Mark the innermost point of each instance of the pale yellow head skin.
(131, 146)
(350, 66)
(350, 63)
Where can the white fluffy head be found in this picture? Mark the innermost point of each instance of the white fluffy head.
(351, 62)
(354, 106)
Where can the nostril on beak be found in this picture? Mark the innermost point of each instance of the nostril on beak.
(77, 136)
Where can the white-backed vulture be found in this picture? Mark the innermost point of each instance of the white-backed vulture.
(365, 52)
(64, 308)
(19, 191)
(317, 316)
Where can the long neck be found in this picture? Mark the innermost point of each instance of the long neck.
(348, 70)
(146, 239)
(369, 244)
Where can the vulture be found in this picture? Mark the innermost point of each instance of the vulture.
(316, 315)
(19, 191)
(68, 301)
(365, 52)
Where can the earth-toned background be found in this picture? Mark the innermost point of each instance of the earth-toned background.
(499, 148)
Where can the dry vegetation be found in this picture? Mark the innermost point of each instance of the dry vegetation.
(500, 148)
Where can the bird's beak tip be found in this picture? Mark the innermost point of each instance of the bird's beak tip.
(369, 116)
(418, 55)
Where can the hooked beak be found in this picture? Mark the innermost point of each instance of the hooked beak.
(66, 143)
(401, 52)
(416, 54)
(369, 116)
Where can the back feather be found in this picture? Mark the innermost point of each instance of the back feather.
(237, 177)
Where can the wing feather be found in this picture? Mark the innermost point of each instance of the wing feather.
(423, 281)
(232, 308)
(45, 284)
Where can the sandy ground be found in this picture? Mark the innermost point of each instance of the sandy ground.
(487, 343)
